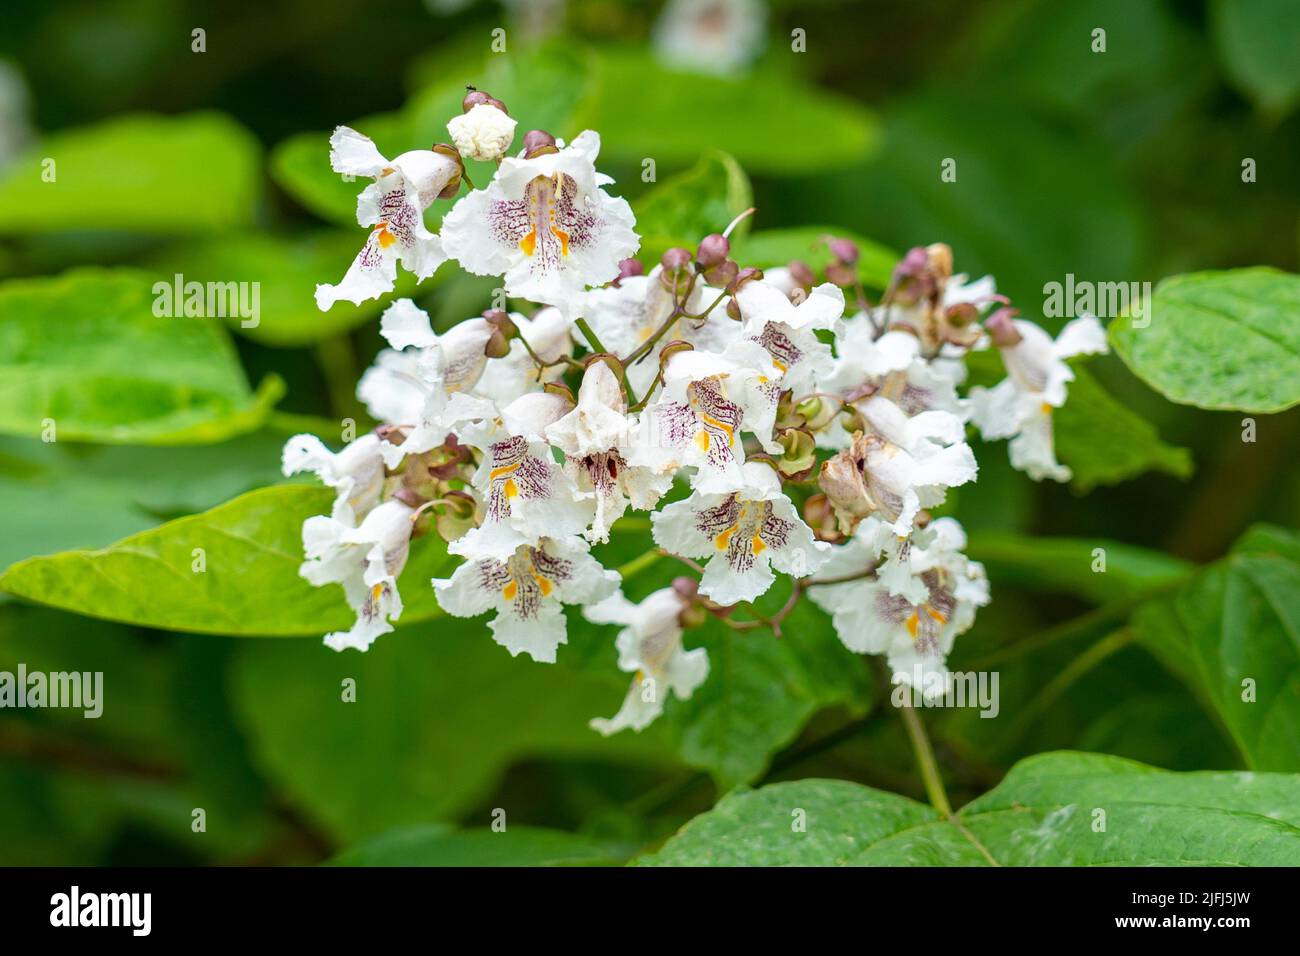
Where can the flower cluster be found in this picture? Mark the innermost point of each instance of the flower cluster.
(771, 423)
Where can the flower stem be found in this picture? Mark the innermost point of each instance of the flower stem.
(594, 343)
(929, 767)
(639, 563)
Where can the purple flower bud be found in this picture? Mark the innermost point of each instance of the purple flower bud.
(843, 250)
(675, 258)
(1001, 328)
(746, 274)
(473, 98)
(841, 274)
(686, 588)
(802, 274)
(713, 250)
(722, 275)
(630, 267)
(912, 264)
(537, 139)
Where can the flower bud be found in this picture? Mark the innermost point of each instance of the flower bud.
(843, 249)
(723, 274)
(802, 274)
(1002, 329)
(479, 98)
(841, 275)
(628, 268)
(733, 311)
(747, 274)
(714, 249)
(673, 348)
(675, 259)
(537, 142)
(819, 515)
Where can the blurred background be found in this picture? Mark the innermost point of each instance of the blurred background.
(206, 154)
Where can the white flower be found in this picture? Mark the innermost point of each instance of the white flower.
(394, 206)
(649, 648)
(366, 560)
(696, 421)
(596, 438)
(710, 36)
(742, 534)
(624, 316)
(547, 333)
(526, 589)
(484, 133)
(356, 473)
(424, 386)
(546, 225)
(915, 630)
(526, 494)
(785, 329)
(1020, 406)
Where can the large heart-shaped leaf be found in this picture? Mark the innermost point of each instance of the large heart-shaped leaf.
(142, 173)
(248, 585)
(1058, 809)
(1233, 633)
(1226, 339)
(84, 357)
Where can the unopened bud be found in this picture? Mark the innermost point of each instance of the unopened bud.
(841, 275)
(722, 275)
(911, 265)
(843, 249)
(537, 142)
(713, 250)
(802, 274)
(1001, 328)
(628, 268)
(675, 259)
(672, 348)
(747, 274)
(478, 97)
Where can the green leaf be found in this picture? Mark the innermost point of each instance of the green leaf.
(1042, 814)
(252, 549)
(194, 173)
(1105, 443)
(106, 492)
(1219, 340)
(440, 713)
(1233, 634)
(685, 208)
(86, 351)
(768, 248)
(761, 691)
(433, 844)
(770, 123)
(1256, 40)
(286, 270)
(1065, 565)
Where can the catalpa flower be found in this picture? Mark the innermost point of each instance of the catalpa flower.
(356, 473)
(393, 205)
(785, 329)
(424, 385)
(595, 438)
(696, 421)
(710, 36)
(483, 132)
(526, 495)
(545, 224)
(650, 648)
(914, 630)
(743, 534)
(366, 560)
(1020, 406)
(526, 588)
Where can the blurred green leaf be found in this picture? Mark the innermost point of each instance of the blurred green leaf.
(1066, 565)
(685, 208)
(768, 248)
(440, 845)
(1233, 633)
(761, 691)
(1256, 40)
(252, 548)
(1104, 442)
(1220, 340)
(194, 173)
(440, 712)
(1040, 815)
(86, 351)
(770, 123)
(287, 270)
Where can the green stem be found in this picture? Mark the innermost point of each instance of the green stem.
(925, 758)
(639, 563)
(594, 343)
